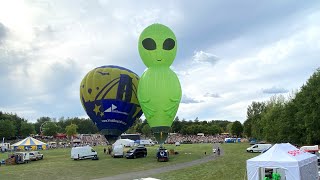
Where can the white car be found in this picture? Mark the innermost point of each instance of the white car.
(214, 150)
(35, 155)
(177, 143)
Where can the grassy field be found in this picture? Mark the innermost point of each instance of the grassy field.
(230, 166)
(58, 165)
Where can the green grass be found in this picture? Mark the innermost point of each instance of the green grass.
(57, 164)
(230, 166)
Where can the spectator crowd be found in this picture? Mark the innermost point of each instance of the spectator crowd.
(175, 137)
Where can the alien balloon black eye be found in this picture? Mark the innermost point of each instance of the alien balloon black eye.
(168, 44)
(149, 44)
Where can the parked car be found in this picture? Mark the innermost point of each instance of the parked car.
(38, 154)
(33, 156)
(163, 155)
(137, 152)
(177, 143)
(145, 142)
(258, 147)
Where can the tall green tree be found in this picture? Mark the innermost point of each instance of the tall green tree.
(71, 130)
(252, 126)
(214, 129)
(176, 125)
(146, 130)
(237, 128)
(7, 129)
(39, 122)
(27, 129)
(86, 126)
(50, 129)
(229, 128)
(308, 105)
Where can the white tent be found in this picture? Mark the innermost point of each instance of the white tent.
(289, 161)
(124, 142)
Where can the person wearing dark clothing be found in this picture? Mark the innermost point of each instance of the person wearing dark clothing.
(218, 151)
(104, 150)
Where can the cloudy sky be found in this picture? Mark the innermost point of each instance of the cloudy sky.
(229, 53)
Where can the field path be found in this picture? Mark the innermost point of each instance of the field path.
(148, 173)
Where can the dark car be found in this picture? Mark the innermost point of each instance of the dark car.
(137, 152)
(163, 155)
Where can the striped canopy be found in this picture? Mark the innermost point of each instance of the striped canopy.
(30, 142)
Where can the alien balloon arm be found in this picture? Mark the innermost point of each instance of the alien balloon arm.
(149, 111)
(174, 99)
(171, 110)
(145, 100)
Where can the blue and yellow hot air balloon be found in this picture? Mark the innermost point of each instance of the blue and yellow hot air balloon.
(109, 96)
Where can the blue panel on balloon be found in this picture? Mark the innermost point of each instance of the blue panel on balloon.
(112, 114)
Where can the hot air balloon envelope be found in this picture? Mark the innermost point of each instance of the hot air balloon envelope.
(159, 90)
(109, 96)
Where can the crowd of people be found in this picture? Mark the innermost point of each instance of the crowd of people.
(97, 139)
(173, 138)
(78, 140)
(91, 139)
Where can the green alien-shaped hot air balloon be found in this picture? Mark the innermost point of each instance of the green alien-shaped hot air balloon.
(159, 90)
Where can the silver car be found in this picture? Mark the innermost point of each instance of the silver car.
(35, 155)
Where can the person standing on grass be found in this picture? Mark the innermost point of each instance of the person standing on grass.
(218, 151)
(104, 150)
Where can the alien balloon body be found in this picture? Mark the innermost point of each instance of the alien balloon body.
(159, 90)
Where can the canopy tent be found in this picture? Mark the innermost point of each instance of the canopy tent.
(289, 161)
(124, 142)
(30, 143)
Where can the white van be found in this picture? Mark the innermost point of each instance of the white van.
(5, 146)
(117, 151)
(85, 152)
(24, 157)
(314, 148)
(147, 142)
(258, 147)
(52, 145)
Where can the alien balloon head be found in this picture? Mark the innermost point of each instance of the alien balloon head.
(157, 46)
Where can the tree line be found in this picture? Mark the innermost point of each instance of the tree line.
(12, 126)
(193, 127)
(294, 119)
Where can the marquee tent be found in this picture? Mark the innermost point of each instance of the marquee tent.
(30, 143)
(286, 160)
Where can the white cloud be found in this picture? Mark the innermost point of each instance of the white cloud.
(275, 90)
(201, 57)
(214, 95)
(189, 100)
(287, 62)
